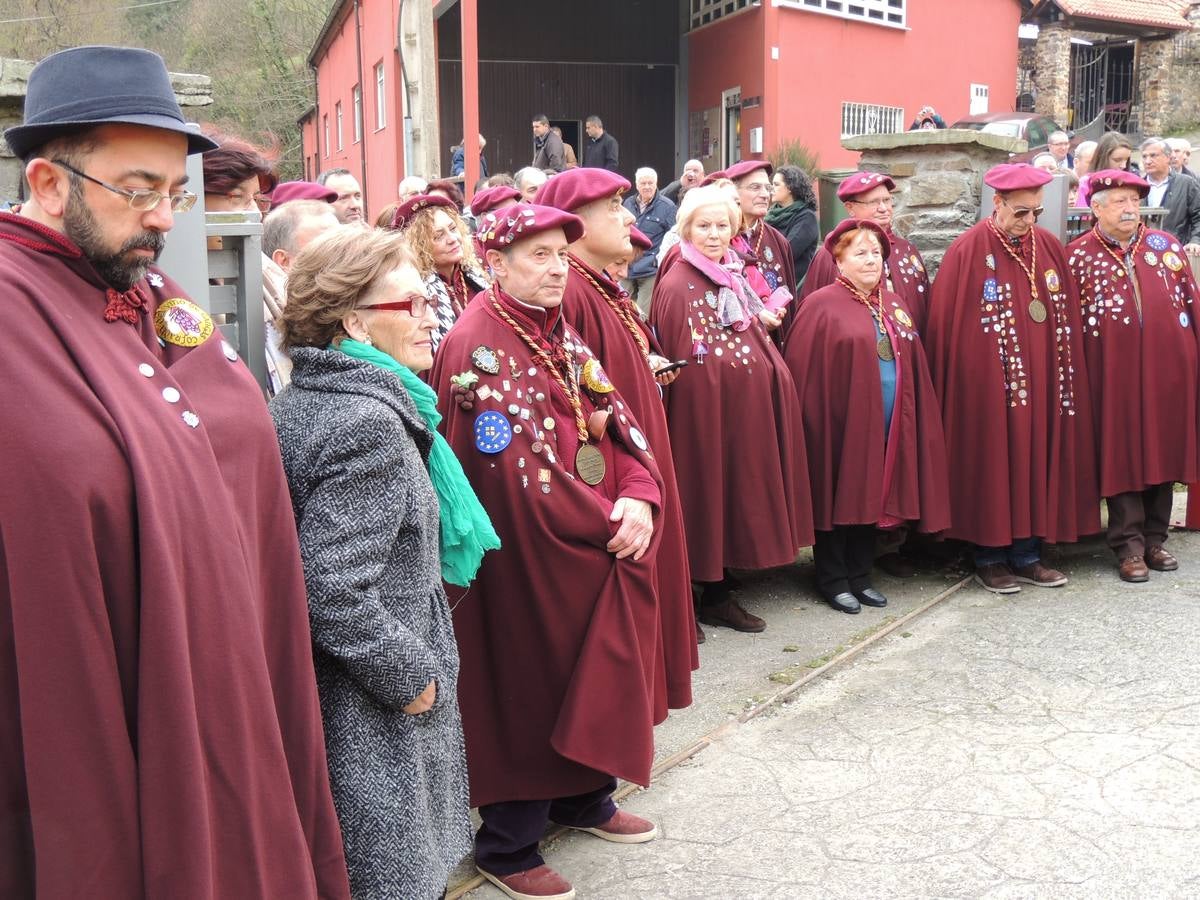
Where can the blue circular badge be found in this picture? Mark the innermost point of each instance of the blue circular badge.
(492, 432)
(1156, 242)
(1184, 320)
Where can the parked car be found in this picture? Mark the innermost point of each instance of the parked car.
(1035, 130)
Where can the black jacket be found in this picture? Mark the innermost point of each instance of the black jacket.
(600, 153)
(548, 152)
(1182, 202)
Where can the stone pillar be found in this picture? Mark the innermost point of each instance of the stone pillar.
(938, 175)
(420, 55)
(1052, 55)
(1153, 60)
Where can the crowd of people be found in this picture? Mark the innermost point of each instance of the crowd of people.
(523, 449)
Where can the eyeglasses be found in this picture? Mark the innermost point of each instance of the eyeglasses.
(140, 199)
(1022, 211)
(757, 187)
(415, 306)
(881, 203)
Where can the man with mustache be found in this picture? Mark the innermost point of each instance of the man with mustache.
(162, 732)
(1140, 340)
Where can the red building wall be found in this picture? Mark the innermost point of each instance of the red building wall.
(825, 60)
(339, 69)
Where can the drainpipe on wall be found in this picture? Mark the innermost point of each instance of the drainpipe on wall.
(408, 124)
(316, 118)
(363, 146)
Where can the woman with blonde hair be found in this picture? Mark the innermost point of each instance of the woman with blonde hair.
(733, 415)
(384, 515)
(444, 252)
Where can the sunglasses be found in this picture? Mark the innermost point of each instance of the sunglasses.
(1022, 211)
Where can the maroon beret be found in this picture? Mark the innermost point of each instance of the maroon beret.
(1114, 178)
(574, 188)
(489, 199)
(501, 229)
(301, 190)
(1016, 177)
(712, 177)
(861, 182)
(413, 205)
(746, 166)
(853, 225)
(638, 238)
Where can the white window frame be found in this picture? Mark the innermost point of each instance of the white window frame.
(356, 93)
(704, 12)
(887, 13)
(871, 118)
(380, 97)
(979, 94)
(337, 111)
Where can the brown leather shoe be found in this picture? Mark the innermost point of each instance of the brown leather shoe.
(1160, 560)
(997, 578)
(1133, 569)
(541, 883)
(624, 828)
(896, 565)
(1039, 575)
(730, 615)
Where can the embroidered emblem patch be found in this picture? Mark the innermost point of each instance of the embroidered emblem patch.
(772, 279)
(769, 254)
(595, 378)
(1156, 242)
(1151, 258)
(492, 432)
(1172, 261)
(902, 317)
(989, 290)
(182, 323)
(485, 360)
(1052, 281)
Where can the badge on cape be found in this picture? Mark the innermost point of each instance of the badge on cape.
(1172, 261)
(711, 299)
(771, 277)
(1156, 242)
(595, 378)
(154, 279)
(989, 290)
(492, 432)
(902, 317)
(639, 439)
(182, 323)
(918, 265)
(1052, 281)
(769, 254)
(990, 261)
(1184, 320)
(1151, 258)
(485, 360)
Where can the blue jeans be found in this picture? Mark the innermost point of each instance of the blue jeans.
(1017, 555)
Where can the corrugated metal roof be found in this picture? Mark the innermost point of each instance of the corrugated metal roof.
(1170, 14)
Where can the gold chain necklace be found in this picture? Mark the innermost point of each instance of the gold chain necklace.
(883, 347)
(1036, 308)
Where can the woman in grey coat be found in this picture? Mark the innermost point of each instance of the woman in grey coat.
(358, 449)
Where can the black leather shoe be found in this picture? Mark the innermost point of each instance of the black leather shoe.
(844, 602)
(870, 597)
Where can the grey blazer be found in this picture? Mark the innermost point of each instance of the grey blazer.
(356, 453)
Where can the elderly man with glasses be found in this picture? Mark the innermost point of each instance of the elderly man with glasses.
(156, 677)
(1005, 348)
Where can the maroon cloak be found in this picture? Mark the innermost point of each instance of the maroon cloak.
(163, 735)
(1014, 393)
(904, 271)
(558, 638)
(590, 312)
(1142, 364)
(770, 254)
(859, 475)
(735, 430)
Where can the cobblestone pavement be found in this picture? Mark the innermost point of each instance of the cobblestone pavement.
(1043, 744)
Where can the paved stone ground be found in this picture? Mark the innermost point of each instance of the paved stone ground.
(1045, 744)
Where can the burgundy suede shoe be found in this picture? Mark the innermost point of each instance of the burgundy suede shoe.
(625, 828)
(541, 883)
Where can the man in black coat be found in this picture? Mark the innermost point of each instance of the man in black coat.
(547, 146)
(1178, 194)
(600, 151)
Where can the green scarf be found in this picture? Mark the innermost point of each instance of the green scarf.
(467, 532)
(781, 217)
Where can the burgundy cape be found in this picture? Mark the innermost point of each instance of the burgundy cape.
(1014, 394)
(590, 314)
(904, 270)
(162, 732)
(859, 475)
(1143, 371)
(771, 254)
(735, 433)
(558, 638)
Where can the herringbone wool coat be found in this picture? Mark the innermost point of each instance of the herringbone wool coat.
(355, 452)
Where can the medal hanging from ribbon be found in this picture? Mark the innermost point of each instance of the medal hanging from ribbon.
(1036, 309)
(589, 461)
(883, 347)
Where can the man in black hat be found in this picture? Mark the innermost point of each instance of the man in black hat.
(163, 732)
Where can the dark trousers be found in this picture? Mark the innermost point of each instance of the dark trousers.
(843, 557)
(507, 842)
(1139, 519)
(1020, 553)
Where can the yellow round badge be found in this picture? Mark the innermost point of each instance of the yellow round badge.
(903, 317)
(182, 323)
(1172, 261)
(595, 378)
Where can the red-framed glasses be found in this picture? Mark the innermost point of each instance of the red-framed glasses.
(415, 306)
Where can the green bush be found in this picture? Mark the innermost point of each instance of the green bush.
(794, 152)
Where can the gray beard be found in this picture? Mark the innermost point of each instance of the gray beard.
(117, 269)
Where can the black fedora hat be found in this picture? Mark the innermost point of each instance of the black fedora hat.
(82, 87)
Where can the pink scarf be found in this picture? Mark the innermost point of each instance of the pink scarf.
(772, 300)
(737, 302)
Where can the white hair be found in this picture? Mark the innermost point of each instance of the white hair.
(1037, 160)
(1057, 136)
(412, 184)
(1155, 142)
(698, 198)
(1085, 148)
(1179, 144)
(522, 176)
(645, 172)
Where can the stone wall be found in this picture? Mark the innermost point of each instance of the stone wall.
(1181, 92)
(1053, 72)
(938, 175)
(190, 90)
(1154, 77)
